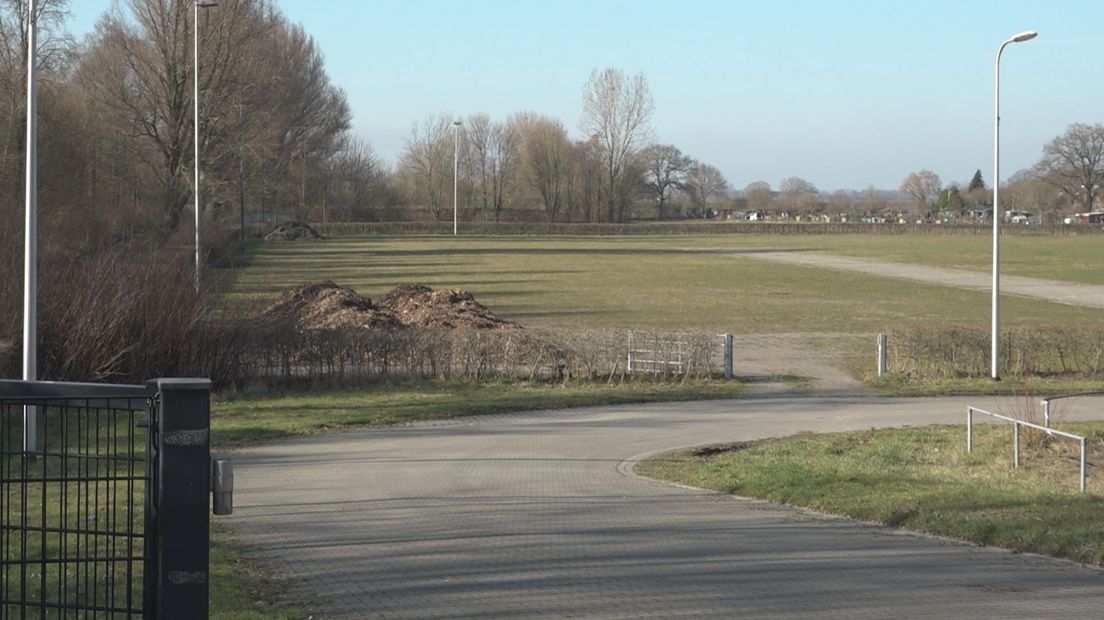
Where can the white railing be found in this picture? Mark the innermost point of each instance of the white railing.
(1016, 424)
(1046, 403)
(657, 356)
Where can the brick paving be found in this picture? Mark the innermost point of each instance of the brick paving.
(539, 516)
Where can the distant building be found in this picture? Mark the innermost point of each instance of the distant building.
(1093, 217)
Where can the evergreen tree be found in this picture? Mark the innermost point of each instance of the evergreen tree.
(977, 182)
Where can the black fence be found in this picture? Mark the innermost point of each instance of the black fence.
(95, 477)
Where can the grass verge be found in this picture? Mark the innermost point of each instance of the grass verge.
(240, 589)
(920, 479)
(900, 385)
(251, 418)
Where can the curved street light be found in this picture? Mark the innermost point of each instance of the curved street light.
(995, 336)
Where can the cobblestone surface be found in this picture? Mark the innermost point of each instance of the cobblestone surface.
(539, 516)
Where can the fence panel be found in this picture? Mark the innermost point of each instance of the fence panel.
(74, 509)
(104, 505)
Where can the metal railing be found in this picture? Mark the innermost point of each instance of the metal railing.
(1045, 403)
(1016, 424)
(656, 356)
(659, 355)
(104, 511)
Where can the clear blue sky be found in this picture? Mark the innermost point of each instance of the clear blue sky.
(845, 94)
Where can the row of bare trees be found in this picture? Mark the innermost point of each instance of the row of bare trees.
(116, 116)
(529, 162)
(115, 157)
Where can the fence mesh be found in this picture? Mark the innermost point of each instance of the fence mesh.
(73, 514)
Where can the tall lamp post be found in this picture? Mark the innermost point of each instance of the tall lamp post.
(995, 353)
(30, 241)
(197, 5)
(455, 177)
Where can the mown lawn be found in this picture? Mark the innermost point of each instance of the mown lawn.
(670, 283)
(921, 479)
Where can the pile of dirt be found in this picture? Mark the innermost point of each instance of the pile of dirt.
(293, 231)
(417, 305)
(326, 305)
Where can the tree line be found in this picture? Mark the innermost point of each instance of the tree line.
(1069, 176)
(528, 162)
(116, 112)
(116, 141)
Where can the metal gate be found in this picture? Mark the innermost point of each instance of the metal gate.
(95, 479)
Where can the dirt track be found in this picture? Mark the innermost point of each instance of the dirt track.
(1069, 293)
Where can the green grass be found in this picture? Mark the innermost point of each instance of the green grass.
(921, 479)
(241, 590)
(1072, 258)
(659, 283)
(899, 385)
(258, 417)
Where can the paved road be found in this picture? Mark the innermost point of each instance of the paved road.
(538, 516)
(1070, 293)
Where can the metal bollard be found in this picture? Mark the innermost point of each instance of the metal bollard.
(882, 354)
(728, 371)
(222, 485)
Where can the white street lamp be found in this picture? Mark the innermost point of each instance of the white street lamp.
(455, 177)
(30, 242)
(995, 337)
(197, 4)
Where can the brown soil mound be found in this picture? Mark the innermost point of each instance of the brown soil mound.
(417, 305)
(326, 305)
(293, 231)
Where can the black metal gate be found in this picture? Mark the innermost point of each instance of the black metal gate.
(104, 500)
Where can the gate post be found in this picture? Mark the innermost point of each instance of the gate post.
(728, 373)
(883, 354)
(183, 473)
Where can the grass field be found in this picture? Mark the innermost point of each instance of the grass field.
(256, 417)
(921, 479)
(661, 283)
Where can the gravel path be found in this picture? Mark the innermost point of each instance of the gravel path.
(539, 516)
(1069, 293)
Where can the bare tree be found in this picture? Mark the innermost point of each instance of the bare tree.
(54, 53)
(425, 167)
(494, 151)
(703, 182)
(798, 194)
(617, 112)
(872, 200)
(589, 180)
(796, 186)
(547, 160)
(1025, 191)
(665, 171)
(359, 181)
(1074, 161)
(759, 196)
(923, 186)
